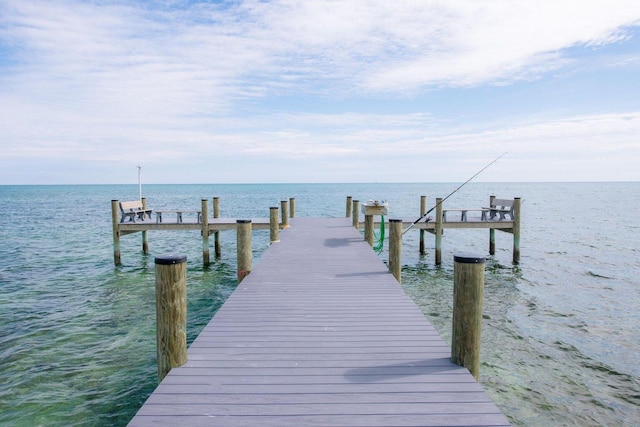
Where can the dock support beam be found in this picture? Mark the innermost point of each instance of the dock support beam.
(423, 210)
(245, 264)
(171, 312)
(116, 232)
(274, 228)
(468, 289)
(284, 207)
(216, 236)
(145, 240)
(355, 214)
(205, 232)
(395, 248)
(438, 231)
(349, 206)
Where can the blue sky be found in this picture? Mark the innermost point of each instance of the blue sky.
(318, 91)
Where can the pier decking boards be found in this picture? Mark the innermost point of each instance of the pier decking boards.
(320, 334)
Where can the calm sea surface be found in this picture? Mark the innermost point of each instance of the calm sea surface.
(561, 335)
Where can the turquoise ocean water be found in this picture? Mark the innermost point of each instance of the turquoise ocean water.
(561, 334)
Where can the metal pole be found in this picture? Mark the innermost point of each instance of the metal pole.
(140, 181)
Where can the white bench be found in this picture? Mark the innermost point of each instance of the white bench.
(178, 213)
(133, 210)
(501, 208)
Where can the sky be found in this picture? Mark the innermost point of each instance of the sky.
(300, 91)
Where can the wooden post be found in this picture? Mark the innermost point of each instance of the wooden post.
(368, 229)
(145, 241)
(273, 225)
(438, 231)
(205, 232)
(216, 236)
(355, 214)
(517, 208)
(492, 241)
(171, 312)
(468, 288)
(243, 227)
(292, 207)
(423, 210)
(349, 206)
(492, 232)
(115, 220)
(395, 248)
(284, 205)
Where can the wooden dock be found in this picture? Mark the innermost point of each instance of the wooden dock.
(320, 333)
(492, 218)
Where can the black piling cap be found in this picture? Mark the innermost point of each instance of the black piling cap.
(468, 259)
(170, 259)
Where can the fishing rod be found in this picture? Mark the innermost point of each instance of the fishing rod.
(454, 191)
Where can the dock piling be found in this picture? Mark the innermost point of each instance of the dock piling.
(492, 232)
(468, 289)
(423, 211)
(284, 207)
(355, 214)
(517, 202)
(216, 235)
(145, 240)
(274, 235)
(292, 207)
(243, 227)
(438, 231)
(349, 206)
(205, 232)
(368, 229)
(395, 248)
(171, 312)
(116, 232)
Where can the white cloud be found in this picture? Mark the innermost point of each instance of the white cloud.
(125, 81)
(204, 56)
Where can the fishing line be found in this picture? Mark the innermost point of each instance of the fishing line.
(454, 191)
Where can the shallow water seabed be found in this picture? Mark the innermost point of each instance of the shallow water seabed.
(543, 364)
(77, 335)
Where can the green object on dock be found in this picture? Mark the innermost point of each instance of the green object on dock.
(380, 236)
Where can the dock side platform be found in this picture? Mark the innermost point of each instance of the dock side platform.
(319, 334)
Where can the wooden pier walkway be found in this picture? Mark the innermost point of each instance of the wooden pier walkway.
(319, 334)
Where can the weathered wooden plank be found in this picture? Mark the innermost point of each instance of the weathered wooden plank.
(318, 398)
(259, 390)
(319, 333)
(308, 382)
(307, 408)
(381, 355)
(190, 223)
(351, 420)
(198, 361)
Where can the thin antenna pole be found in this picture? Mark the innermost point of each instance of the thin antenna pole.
(451, 194)
(139, 181)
